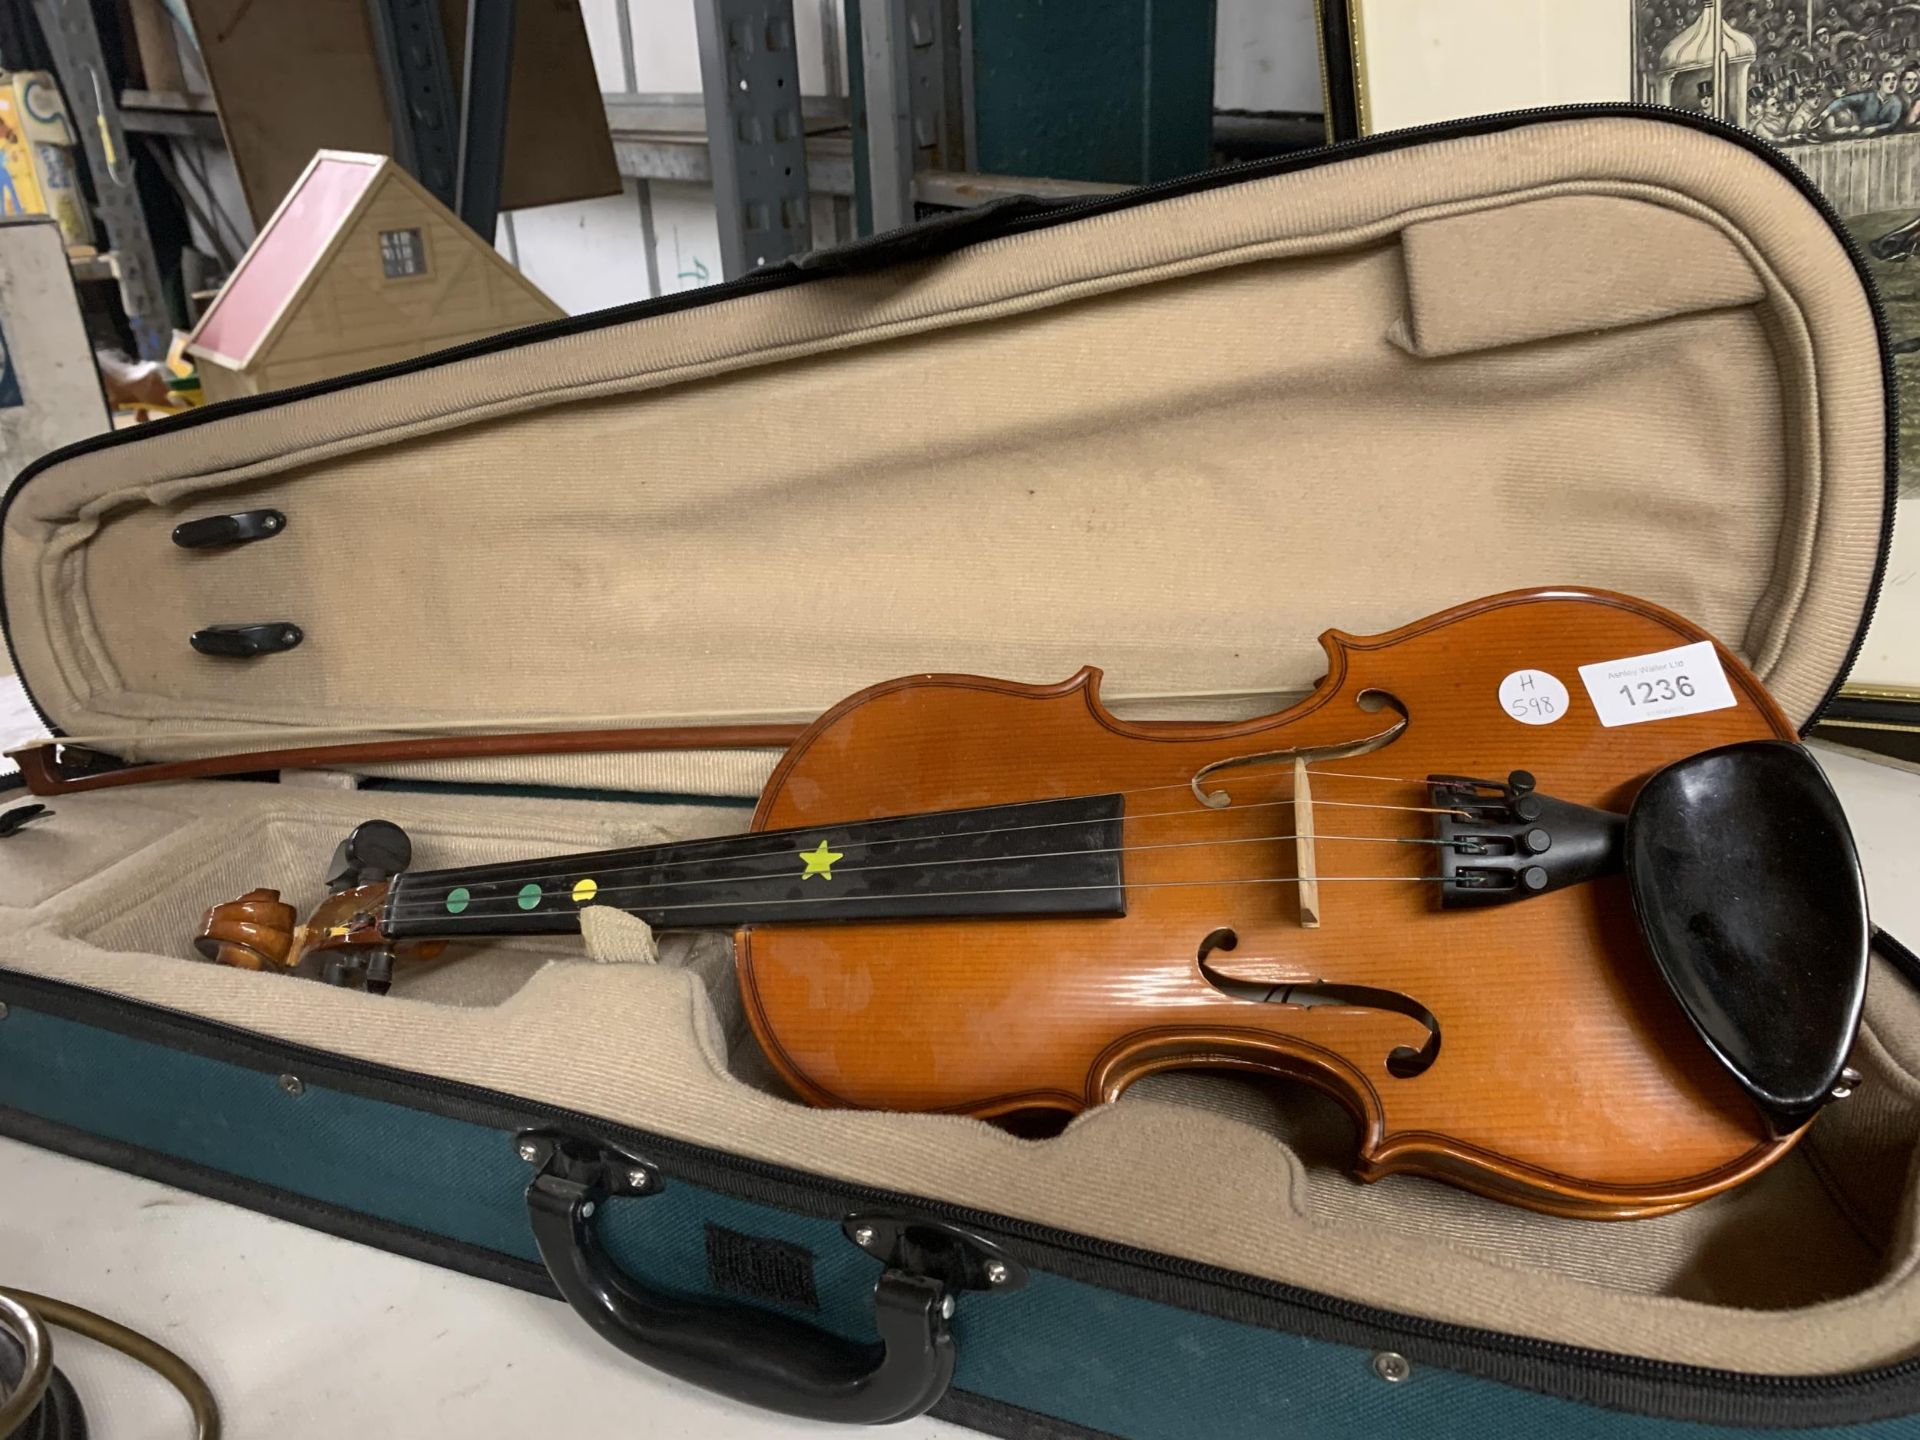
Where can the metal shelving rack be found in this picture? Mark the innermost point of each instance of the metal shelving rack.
(911, 135)
(75, 46)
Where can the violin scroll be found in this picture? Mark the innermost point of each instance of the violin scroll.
(342, 941)
(254, 932)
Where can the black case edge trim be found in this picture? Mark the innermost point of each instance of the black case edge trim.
(1010, 1422)
(1621, 1383)
(1899, 955)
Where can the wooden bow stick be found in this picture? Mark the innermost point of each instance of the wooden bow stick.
(55, 767)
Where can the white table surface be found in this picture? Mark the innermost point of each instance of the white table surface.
(18, 723)
(303, 1335)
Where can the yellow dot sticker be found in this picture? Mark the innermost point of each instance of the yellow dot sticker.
(584, 891)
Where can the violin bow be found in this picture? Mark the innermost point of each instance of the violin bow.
(63, 766)
(54, 767)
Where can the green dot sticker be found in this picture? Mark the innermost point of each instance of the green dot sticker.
(458, 900)
(529, 895)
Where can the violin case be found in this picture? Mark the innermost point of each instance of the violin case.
(1175, 433)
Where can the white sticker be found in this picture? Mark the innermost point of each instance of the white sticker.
(1683, 681)
(1533, 697)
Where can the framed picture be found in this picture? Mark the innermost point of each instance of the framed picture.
(1883, 690)
(1392, 64)
(1835, 84)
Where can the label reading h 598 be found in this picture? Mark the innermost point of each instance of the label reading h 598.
(1685, 680)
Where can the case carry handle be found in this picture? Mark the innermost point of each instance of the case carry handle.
(743, 1352)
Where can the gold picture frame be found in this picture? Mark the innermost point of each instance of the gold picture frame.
(1875, 707)
(1454, 53)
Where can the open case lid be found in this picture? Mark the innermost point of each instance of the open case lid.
(1175, 433)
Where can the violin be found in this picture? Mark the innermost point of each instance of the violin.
(1542, 889)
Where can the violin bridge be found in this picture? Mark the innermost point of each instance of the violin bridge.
(1304, 864)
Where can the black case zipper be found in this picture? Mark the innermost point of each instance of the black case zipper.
(1017, 216)
(1887, 1391)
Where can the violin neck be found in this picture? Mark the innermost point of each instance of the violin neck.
(1050, 857)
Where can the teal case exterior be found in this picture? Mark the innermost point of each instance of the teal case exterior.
(1067, 1354)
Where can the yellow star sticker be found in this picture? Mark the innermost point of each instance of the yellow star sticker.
(819, 862)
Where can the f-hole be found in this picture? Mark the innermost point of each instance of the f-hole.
(1225, 939)
(1403, 1061)
(1222, 939)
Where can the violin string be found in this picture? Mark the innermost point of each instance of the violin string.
(614, 859)
(568, 874)
(572, 867)
(1362, 775)
(400, 910)
(1316, 773)
(1041, 890)
(1187, 785)
(1235, 809)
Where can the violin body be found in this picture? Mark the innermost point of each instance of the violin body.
(1568, 1079)
(1616, 982)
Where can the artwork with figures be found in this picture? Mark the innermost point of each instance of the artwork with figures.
(1836, 85)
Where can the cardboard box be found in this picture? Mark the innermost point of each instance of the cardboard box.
(36, 146)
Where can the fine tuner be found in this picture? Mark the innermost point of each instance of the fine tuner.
(1620, 977)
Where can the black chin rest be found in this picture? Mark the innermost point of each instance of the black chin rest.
(1749, 895)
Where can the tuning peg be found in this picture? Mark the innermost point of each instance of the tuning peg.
(375, 850)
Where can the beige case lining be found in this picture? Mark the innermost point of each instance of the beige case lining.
(1177, 441)
(1541, 356)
